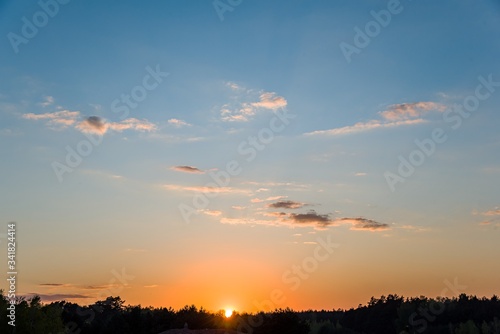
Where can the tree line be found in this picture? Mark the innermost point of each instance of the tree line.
(388, 314)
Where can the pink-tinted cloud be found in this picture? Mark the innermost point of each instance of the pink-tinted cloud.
(270, 101)
(206, 189)
(214, 213)
(98, 125)
(93, 124)
(178, 123)
(495, 212)
(410, 110)
(270, 198)
(365, 126)
(59, 119)
(396, 115)
(244, 111)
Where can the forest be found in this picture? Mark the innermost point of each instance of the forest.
(388, 314)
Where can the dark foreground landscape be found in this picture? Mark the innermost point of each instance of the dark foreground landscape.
(391, 314)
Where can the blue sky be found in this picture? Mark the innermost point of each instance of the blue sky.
(323, 173)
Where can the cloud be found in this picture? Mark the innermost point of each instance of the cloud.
(365, 126)
(234, 86)
(47, 101)
(238, 207)
(213, 213)
(271, 198)
(242, 113)
(51, 284)
(93, 124)
(187, 169)
(414, 228)
(410, 110)
(133, 124)
(206, 189)
(396, 115)
(360, 174)
(97, 125)
(178, 123)
(286, 205)
(244, 106)
(495, 212)
(59, 119)
(151, 286)
(363, 224)
(270, 101)
(310, 218)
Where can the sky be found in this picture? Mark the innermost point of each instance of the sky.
(250, 154)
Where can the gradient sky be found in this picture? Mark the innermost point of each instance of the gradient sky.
(262, 89)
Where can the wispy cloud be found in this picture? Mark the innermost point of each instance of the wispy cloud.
(206, 189)
(178, 123)
(270, 101)
(286, 205)
(270, 198)
(247, 102)
(56, 120)
(187, 169)
(363, 224)
(495, 212)
(365, 126)
(396, 115)
(234, 86)
(310, 219)
(97, 125)
(214, 213)
(47, 101)
(93, 124)
(410, 110)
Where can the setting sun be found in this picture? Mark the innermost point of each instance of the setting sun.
(228, 313)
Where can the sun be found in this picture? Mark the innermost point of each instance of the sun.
(228, 312)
